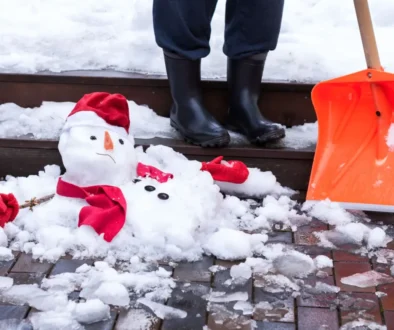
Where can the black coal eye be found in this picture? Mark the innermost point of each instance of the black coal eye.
(93, 137)
(136, 180)
(150, 188)
(121, 141)
(163, 196)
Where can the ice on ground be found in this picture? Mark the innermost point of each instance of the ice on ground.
(228, 319)
(367, 279)
(162, 311)
(322, 287)
(276, 283)
(91, 311)
(221, 297)
(139, 318)
(244, 306)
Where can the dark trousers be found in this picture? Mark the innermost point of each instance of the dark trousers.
(183, 27)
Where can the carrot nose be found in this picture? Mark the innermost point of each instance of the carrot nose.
(108, 144)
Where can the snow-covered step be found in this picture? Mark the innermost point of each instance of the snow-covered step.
(286, 103)
(24, 156)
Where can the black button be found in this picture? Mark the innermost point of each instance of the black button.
(121, 141)
(150, 188)
(163, 196)
(93, 137)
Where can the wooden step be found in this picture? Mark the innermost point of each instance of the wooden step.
(286, 103)
(21, 157)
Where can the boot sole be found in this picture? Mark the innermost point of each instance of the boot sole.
(262, 139)
(271, 137)
(219, 142)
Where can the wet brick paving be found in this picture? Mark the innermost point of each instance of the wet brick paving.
(327, 311)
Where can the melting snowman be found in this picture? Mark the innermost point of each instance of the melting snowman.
(117, 199)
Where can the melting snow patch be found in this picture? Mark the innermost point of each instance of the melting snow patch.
(244, 306)
(294, 264)
(362, 324)
(380, 294)
(162, 311)
(367, 279)
(221, 297)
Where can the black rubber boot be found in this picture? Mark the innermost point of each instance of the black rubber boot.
(188, 114)
(244, 79)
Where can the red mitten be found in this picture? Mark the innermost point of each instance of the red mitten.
(153, 172)
(9, 208)
(232, 171)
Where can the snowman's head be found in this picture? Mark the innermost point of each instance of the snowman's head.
(95, 145)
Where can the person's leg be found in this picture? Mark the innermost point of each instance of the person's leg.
(252, 30)
(182, 29)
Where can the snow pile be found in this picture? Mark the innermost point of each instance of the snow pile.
(241, 273)
(91, 311)
(6, 283)
(46, 122)
(100, 285)
(121, 34)
(194, 219)
(323, 262)
(347, 228)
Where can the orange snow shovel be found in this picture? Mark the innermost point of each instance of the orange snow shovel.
(353, 163)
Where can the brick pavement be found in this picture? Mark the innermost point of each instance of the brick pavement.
(308, 311)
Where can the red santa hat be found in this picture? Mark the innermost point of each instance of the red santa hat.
(100, 109)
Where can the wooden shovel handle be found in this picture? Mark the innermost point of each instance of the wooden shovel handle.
(367, 34)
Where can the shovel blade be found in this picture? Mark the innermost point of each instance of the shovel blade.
(354, 160)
